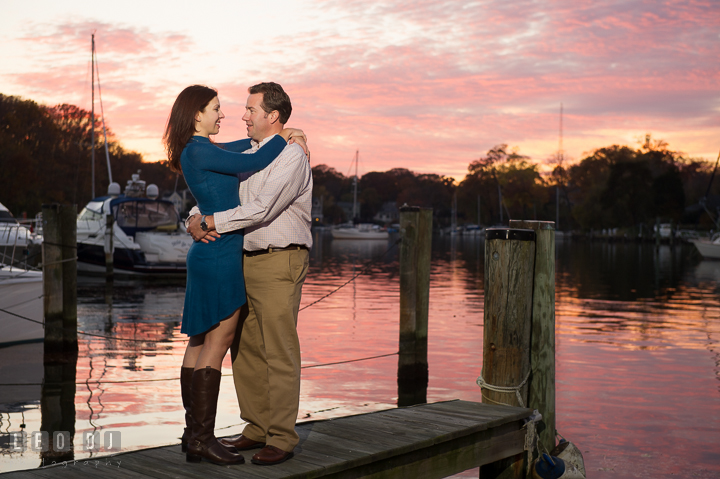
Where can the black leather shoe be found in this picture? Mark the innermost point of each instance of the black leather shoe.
(241, 443)
(270, 455)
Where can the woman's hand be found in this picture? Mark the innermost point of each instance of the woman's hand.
(295, 135)
(197, 233)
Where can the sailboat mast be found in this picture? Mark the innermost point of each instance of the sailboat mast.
(561, 153)
(561, 157)
(355, 182)
(102, 116)
(92, 115)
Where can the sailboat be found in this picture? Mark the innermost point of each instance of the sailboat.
(709, 249)
(148, 237)
(352, 230)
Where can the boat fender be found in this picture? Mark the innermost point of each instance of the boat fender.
(552, 467)
(568, 452)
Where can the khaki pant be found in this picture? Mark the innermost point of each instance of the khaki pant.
(266, 352)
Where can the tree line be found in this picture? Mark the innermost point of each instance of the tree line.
(612, 187)
(45, 157)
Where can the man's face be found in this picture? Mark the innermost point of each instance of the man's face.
(257, 121)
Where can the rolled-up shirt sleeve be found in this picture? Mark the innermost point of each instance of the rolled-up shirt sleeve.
(287, 178)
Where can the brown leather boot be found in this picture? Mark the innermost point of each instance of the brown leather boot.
(186, 375)
(203, 444)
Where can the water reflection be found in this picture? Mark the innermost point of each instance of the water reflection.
(57, 407)
(638, 338)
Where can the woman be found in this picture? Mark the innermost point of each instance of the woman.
(215, 288)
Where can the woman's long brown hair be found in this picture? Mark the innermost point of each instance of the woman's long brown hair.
(181, 123)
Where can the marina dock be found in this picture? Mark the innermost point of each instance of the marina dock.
(424, 441)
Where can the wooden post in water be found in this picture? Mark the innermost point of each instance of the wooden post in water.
(68, 220)
(109, 247)
(52, 278)
(59, 253)
(416, 231)
(60, 278)
(509, 264)
(542, 347)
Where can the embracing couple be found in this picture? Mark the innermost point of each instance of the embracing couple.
(245, 270)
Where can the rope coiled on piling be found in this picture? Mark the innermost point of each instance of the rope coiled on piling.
(504, 389)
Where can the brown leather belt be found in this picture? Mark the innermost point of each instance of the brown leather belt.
(291, 247)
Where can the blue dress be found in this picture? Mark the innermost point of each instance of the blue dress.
(215, 284)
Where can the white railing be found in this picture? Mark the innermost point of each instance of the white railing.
(16, 240)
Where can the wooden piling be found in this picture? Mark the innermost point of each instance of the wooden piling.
(542, 347)
(68, 219)
(60, 278)
(109, 247)
(509, 261)
(52, 278)
(416, 231)
(509, 264)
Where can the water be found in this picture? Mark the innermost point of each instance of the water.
(638, 353)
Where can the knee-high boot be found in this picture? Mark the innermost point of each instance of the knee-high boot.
(203, 444)
(186, 375)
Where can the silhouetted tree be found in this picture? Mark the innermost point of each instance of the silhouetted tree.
(45, 157)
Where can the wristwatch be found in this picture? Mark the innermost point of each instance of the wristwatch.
(203, 224)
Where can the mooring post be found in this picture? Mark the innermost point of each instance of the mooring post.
(509, 265)
(68, 220)
(416, 231)
(52, 278)
(109, 247)
(509, 261)
(542, 347)
(60, 278)
(59, 257)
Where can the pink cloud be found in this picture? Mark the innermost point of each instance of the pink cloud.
(625, 66)
(75, 36)
(432, 85)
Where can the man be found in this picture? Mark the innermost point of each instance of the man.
(275, 212)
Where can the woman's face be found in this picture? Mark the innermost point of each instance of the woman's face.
(207, 121)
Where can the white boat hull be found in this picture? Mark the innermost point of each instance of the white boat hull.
(710, 250)
(20, 297)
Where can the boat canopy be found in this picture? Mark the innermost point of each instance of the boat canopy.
(6, 216)
(135, 215)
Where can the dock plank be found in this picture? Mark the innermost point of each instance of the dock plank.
(82, 469)
(203, 470)
(424, 441)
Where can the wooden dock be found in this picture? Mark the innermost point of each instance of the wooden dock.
(424, 441)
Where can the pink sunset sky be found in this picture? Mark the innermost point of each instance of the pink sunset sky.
(425, 85)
